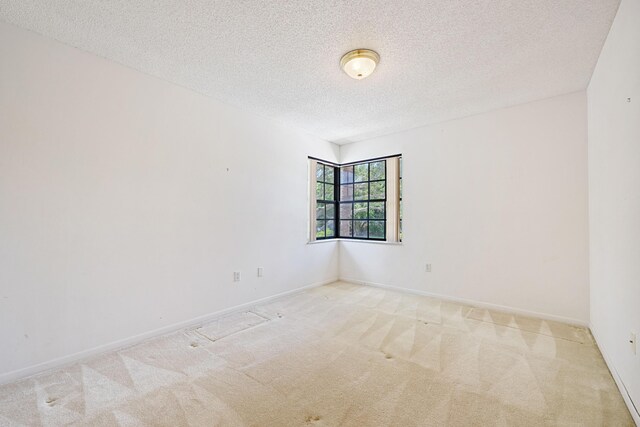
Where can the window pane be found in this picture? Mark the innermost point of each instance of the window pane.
(328, 174)
(377, 190)
(319, 172)
(331, 211)
(376, 229)
(346, 228)
(377, 170)
(319, 191)
(346, 192)
(346, 211)
(361, 172)
(360, 210)
(361, 191)
(320, 211)
(328, 192)
(320, 229)
(376, 210)
(360, 228)
(331, 228)
(346, 174)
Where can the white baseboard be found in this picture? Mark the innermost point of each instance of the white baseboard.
(474, 303)
(60, 362)
(616, 377)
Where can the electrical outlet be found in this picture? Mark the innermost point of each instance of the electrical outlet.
(633, 340)
(428, 268)
(236, 276)
(260, 271)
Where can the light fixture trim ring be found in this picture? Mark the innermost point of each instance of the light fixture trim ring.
(359, 53)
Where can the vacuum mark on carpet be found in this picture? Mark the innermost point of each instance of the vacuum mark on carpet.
(549, 328)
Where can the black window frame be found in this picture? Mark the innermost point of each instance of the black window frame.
(338, 202)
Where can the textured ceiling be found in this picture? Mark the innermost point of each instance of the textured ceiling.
(440, 59)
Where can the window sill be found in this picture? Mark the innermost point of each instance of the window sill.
(375, 242)
(318, 242)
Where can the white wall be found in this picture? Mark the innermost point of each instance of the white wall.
(126, 203)
(614, 197)
(497, 203)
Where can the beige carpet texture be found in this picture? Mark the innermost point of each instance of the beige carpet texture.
(337, 355)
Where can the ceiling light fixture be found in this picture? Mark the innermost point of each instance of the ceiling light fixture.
(359, 63)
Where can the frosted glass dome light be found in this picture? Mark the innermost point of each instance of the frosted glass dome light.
(359, 63)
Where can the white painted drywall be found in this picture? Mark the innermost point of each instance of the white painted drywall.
(126, 203)
(614, 197)
(497, 203)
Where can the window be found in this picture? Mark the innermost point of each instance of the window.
(363, 199)
(325, 201)
(357, 200)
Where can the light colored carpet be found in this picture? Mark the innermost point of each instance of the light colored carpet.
(337, 355)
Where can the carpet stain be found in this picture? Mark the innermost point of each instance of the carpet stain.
(310, 419)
